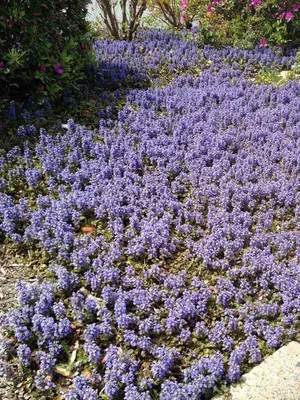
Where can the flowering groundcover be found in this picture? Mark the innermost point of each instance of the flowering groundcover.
(175, 230)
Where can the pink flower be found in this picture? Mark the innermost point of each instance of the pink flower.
(42, 88)
(183, 17)
(288, 15)
(263, 43)
(183, 4)
(59, 69)
(43, 68)
(256, 3)
(209, 9)
(295, 7)
(1, 64)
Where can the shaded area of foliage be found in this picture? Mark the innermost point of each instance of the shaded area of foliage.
(44, 46)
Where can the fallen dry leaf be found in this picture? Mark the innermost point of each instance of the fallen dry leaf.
(88, 229)
(87, 374)
(63, 371)
(74, 353)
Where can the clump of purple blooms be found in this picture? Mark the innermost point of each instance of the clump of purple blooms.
(192, 267)
(155, 52)
(150, 52)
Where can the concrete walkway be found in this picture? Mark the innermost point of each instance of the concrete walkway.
(276, 378)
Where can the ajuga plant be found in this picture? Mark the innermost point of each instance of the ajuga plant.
(173, 229)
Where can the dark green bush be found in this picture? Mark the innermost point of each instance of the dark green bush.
(44, 46)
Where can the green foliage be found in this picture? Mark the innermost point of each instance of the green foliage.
(274, 77)
(270, 77)
(44, 46)
(248, 25)
(296, 67)
(241, 24)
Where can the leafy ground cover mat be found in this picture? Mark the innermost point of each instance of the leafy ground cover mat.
(175, 234)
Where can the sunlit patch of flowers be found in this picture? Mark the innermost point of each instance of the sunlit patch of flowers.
(151, 53)
(156, 53)
(175, 234)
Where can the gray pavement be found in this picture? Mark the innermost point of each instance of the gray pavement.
(276, 378)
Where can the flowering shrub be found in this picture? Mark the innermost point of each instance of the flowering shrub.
(240, 23)
(270, 22)
(43, 46)
(174, 234)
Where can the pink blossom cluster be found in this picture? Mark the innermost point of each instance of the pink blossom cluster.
(285, 12)
(214, 3)
(256, 3)
(183, 7)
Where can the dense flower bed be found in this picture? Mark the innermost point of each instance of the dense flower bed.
(158, 51)
(174, 229)
(258, 57)
(151, 52)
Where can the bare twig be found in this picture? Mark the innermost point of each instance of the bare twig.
(167, 11)
(131, 13)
